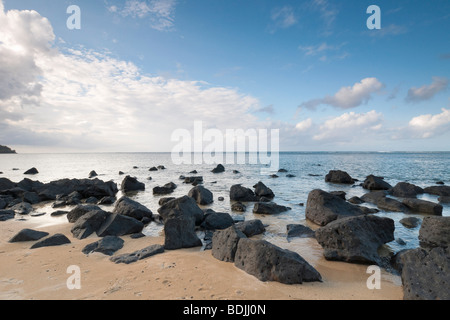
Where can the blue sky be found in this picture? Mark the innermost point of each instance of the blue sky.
(309, 68)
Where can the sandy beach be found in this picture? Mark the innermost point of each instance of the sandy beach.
(41, 274)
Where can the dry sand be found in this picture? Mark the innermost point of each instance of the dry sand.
(182, 274)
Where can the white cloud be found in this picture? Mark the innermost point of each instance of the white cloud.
(348, 97)
(426, 92)
(304, 125)
(161, 13)
(282, 18)
(349, 126)
(428, 125)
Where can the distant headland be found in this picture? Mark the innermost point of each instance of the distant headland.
(5, 149)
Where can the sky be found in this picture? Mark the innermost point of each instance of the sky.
(136, 71)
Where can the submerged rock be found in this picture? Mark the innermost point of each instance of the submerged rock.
(298, 230)
(220, 168)
(269, 208)
(376, 183)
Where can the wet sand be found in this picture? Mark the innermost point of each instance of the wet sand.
(174, 275)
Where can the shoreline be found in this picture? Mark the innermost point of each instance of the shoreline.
(184, 274)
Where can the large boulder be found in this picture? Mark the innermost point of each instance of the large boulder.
(435, 231)
(338, 176)
(251, 227)
(127, 207)
(217, 220)
(51, 241)
(380, 199)
(119, 225)
(6, 215)
(6, 184)
(218, 169)
(323, 207)
(89, 223)
(426, 274)
(406, 190)
(201, 195)
(28, 235)
(423, 206)
(268, 262)
(268, 208)
(179, 232)
(79, 211)
(225, 242)
(132, 184)
(375, 183)
(261, 190)
(438, 190)
(240, 193)
(355, 239)
(184, 206)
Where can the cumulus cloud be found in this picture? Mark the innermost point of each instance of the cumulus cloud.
(304, 125)
(426, 92)
(349, 126)
(348, 97)
(428, 125)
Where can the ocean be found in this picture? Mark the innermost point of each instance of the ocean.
(422, 169)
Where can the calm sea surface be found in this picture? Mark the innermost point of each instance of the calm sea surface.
(422, 169)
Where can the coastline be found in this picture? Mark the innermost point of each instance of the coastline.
(185, 274)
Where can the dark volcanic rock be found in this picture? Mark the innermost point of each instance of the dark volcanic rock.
(261, 190)
(410, 222)
(164, 200)
(239, 207)
(108, 246)
(338, 176)
(7, 215)
(225, 242)
(192, 180)
(435, 231)
(168, 188)
(51, 241)
(79, 211)
(323, 207)
(268, 208)
(240, 193)
(180, 233)
(217, 220)
(119, 225)
(141, 254)
(406, 190)
(355, 239)
(251, 227)
(31, 171)
(380, 199)
(376, 183)
(93, 174)
(127, 207)
(28, 235)
(201, 195)
(423, 206)
(426, 274)
(184, 206)
(22, 208)
(444, 199)
(132, 184)
(220, 168)
(268, 262)
(298, 230)
(438, 190)
(89, 223)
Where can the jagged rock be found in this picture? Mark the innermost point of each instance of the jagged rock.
(89, 223)
(251, 227)
(179, 232)
(31, 171)
(240, 193)
(217, 220)
(201, 195)
(225, 242)
(261, 190)
(220, 168)
(108, 246)
(184, 206)
(28, 235)
(166, 189)
(435, 231)
(119, 225)
(127, 207)
(79, 211)
(132, 184)
(51, 241)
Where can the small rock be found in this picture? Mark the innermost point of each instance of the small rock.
(51, 241)
(220, 168)
(108, 246)
(31, 171)
(410, 222)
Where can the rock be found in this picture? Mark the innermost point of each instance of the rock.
(79, 211)
(130, 208)
(261, 190)
(121, 173)
(355, 239)
(221, 198)
(251, 227)
(28, 235)
(6, 184)
(323, 207)
(410, 222)
(145, 253)
(193, 172)
(132, 184)
(179, 232)
(22, 208)
(298, 230)
(59, 213)
(31, 197)
(290, 176)
(225, 242)
(119, 225)
(406, 190)
(192, 180)
(108, 246)
(89, 223)
(274, 176)
(153, 169)
(6, 215)
(92, 174)
(426, 274)
(423, 206)
(161, 167)
(107, 200)
(440, 182)
(236, 172)
(355, 200)
(31, 171)
(217, 220)
(166, 189)
(338, 176)
(340, 194)
(91, 200)
(444, 199)
(164, 200)
(268, 208)
(282, 170)
(184, 206)
(238, 206)
(375, 183)
(220, 168)
(240, 193)
(51, 241)
(137, 235)
(438, 190)
(380, 199)
(268, 262)
(435, 231)
(201, 195)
